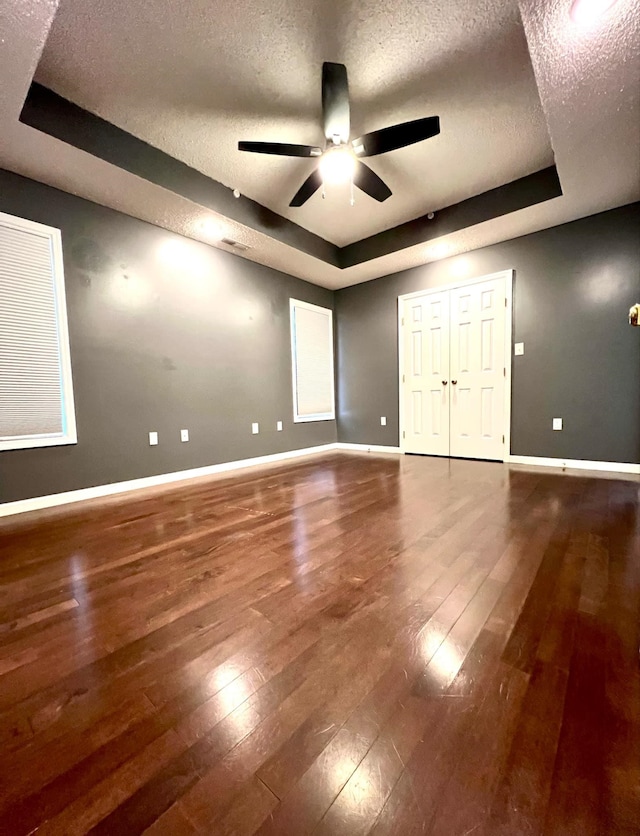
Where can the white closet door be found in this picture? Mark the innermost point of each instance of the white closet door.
(477, 370)
(425, 389)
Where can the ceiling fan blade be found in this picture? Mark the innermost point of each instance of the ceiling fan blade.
(281, 149)
(309, 187)
(335, 102)
(369, 182)
(397, 136)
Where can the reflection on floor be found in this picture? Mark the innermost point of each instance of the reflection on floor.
(348, 644)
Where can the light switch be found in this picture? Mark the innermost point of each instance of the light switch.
(519, 349)
(557, 423)
(255, 428)
(153, 439)
(279, 426)
(383, 421)
(184, 435)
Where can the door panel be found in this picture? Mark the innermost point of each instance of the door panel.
(416, 412)
(477, 367)
(416, 353)
(464, 346)
(426, 366)
(463, 405)
(487, 412)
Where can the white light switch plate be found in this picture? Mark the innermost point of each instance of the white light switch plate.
(383, 421)
(557, 423)
(279, 426)
(184, 435)
(153, 439)
(519, 349)
(255, 428)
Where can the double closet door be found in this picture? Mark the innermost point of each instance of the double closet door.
(454, 375)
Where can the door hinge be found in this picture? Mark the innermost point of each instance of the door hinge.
(403, 434)
(505, 303)
(503, 439)
(403, 378)
(504, 371)
(403, 320)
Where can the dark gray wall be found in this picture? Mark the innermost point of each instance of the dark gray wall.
(574, 285)
(166, 333)
(45, 111)
(198, 338)
(526, 191)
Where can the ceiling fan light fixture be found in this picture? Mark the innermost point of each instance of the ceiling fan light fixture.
(584, 12)
(340, 161)
(337, 165)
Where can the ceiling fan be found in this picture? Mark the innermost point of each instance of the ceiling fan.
(340, 160)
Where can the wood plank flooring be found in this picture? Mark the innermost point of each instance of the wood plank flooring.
(344, 645)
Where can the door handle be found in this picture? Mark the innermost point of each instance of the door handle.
(454, 382)
(444, 382)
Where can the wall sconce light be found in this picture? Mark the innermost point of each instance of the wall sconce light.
(634, 314)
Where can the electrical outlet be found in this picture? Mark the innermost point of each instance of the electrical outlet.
(279, 426)
(255, 428)
(519, 349)
(557, 423)
(153, 439)
(383, 421)
(184, 435)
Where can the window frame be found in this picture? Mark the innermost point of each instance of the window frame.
(319, 416)
(69, 432)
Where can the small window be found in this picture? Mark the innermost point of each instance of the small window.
(312, 362)
(36, 396)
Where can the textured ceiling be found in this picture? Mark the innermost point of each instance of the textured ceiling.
(194, 78)
(405, 62)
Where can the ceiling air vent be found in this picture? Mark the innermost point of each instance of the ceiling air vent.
(236, 245)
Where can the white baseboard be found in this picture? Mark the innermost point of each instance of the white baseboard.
(576, 464)
(366, 448)
(37, 503)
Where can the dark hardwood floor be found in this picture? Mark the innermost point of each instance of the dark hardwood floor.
(349, 644)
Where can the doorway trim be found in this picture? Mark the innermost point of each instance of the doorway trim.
(508, 277)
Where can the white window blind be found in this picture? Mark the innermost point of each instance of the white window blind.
(36, 398)
(312, 362)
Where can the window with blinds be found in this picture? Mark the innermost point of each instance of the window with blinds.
(36, 397)
(312, 362)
